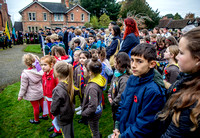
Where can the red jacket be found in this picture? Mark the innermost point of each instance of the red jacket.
(48, 83)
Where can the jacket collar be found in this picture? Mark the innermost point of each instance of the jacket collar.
(135, 81)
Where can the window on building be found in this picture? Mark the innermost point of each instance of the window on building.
(29, 29)
(32, 16)
(58, 17)
(33, 29)
(45, 16)
(72, 17)
(82, 17)
(36, 29)
(61, 17)
(29, 16)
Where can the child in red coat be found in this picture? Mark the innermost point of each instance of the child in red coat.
(49, 83)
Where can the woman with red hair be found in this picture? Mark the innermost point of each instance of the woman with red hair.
(131, 36)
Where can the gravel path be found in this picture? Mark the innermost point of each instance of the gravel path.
(11, 65)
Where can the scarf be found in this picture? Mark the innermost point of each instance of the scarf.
(82, 77)
(75, 64)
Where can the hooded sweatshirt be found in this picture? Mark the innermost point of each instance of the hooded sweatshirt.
(31, 85)
(93, 96)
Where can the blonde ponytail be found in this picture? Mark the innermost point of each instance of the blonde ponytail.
(70, 83)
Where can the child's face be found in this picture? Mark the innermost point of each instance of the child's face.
(95, 53)
(140, 66)
(167, 54)
(76, 57)
(115, 64)
(82, 58)
(76, 44)
(45, 66)
(186, 62)
(91, 40)
(161, 45)
(153, 39)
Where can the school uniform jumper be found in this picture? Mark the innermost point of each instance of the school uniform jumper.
(117, 86)
(92, 100)
(63, 110)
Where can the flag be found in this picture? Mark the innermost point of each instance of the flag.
(7, 30)
(13, 32)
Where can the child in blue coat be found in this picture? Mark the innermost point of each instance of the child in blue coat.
(142, 98)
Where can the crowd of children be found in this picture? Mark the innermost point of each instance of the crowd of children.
(141, 82)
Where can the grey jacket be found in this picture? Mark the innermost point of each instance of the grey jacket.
(117, 86)
(60, 106)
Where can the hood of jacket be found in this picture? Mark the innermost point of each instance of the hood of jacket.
(99, 80)
(34, 75)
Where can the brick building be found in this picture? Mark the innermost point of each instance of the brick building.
(4, 16)
(47, 14)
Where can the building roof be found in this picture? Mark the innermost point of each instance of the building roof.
(78, 6)
(178, 24)
(18, 26)
(54, 7)
(164, 22)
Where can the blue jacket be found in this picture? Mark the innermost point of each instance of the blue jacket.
(141, 100)
(129, 43)
(113, 46)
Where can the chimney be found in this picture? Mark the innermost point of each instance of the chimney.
(65, 2)
(35, 0)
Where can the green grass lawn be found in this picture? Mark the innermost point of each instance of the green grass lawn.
(33, 48)
(15, 115)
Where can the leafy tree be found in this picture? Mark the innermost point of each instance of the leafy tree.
(95, 22)
(87, 24)
(140, 7)
(104, 20)
(177, 16)
(170, 15)
(99, 7)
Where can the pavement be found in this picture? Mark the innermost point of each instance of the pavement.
(11, 65)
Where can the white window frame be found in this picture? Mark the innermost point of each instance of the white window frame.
(29, 28)
(55, 17)
(82, 17)
(58, 17)
(31, 15)
(36, 29)
(72, 16)
(44, 13)
(61, 17)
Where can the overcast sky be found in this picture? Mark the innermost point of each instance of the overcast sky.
(164, 6)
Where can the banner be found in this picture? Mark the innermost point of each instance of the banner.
(13, 32)
(7, 30)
